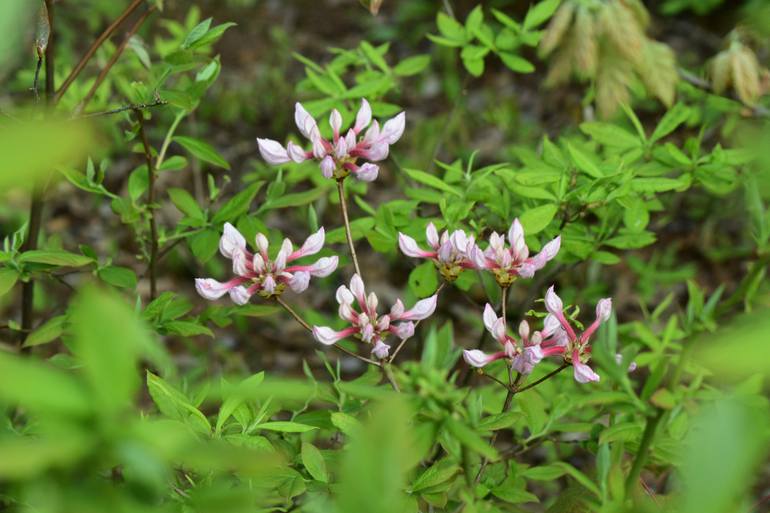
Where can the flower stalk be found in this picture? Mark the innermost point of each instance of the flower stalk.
(346, 221)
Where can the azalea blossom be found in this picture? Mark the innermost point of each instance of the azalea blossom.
(564, 341)
(509, 262)
(523, 355)
(451, 253)
(259, 274)
(339, 157)
(367, 325)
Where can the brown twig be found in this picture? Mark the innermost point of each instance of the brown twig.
(125, 108)
(346, 220)
(544, 378)
(150, 205)
(104, 36)
(114, 59)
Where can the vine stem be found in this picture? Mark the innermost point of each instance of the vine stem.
(346, 220)
(150, 206)
(304, 324)
(104, 36)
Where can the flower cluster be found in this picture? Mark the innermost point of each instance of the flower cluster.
(509, 262)
(451, 253)
(367, 325)
(458, 251)
(557, 338)
(339, 157)
(258, 274)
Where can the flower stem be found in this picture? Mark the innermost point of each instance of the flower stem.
(544, 378)
(506, 406)
(346, 220)
(644, 446)
(388, 373)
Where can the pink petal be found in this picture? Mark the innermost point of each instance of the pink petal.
(311, 246)
(328, 166)
(324, 266)
(328, 336)
(553, 302)
(305, 122)
(230, 240)
(403, 330)
(490, 318)
(239, 295)
(421, 309)
(299, 281)
(477, 358)
(296, 153)
(335, 121)
(212, 289)
(393, 129)
(367, 172)
(410, 248)
(516, 239)
(431, 234)
(604, 309)
(380, 350)
(344, 296)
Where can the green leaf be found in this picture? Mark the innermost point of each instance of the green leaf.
(670, 121)
(286, 427)
(631, 240)
(212, 36)
(238, 205)
(625, 431)
(204, 245)
(175, 405)
(610, 135)
(469, 438)
(202, 150)
(450, 27)
(374, 56)
(235, 399)
(516, 63)
(540, 13)
(41, 388)
(54, 257)
(314, 462)
(345, 423)
(186, 204)
(583, 163)
(48, 332)
(579, 477)
(474, 66)
(412, 65)
(537, 219)
(109, 355)
(434, 475)
(432, 181)
(499, 421)
(8, 278)
(514, 495)
(122, 277)
(186, 328)
(635, 215)
(423, 280)
(474, 20)
(197, 33)
(296, 199)
(544, 473)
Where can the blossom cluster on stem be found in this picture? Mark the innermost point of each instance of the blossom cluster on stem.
(367, 325)
(258, 273)
(350, 154)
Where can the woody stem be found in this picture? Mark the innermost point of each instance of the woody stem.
(346, 220)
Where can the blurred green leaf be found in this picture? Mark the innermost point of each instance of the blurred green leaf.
(314, 462)
(202, 150)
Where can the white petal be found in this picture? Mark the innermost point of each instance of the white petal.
(240, 263)
(409, 246)
(422, 309)
(490, 318)
(393, 129)
(604, 309)
(210, 289)
(327, 336)
(231, 239)
(358, 290)
(476, 358)
(584, 373)
(299, 281)
(296, 153)
(335, 120)
(328, 166)
(272, 151)
(324, 266)
(404, 330)
(380, 350)
(312, 244)
(364, 116)
(368, 172)
(262, 243)
(239, 295)
(303, 119)
(431, 234)
(553, 302)
(344, 296)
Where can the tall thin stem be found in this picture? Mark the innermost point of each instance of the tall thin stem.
(506, 406)
(504, 304)
(644, 446)
(150, 205)
(37, 202)
(346, 220)
(544, 378)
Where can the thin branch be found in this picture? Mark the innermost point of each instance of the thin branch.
(388, 374)
(134, 5)
(307, 326)
(401, 344)
(125, 108)
(512, 383)
(544, 378)
(35, 80)
(150, 205)
(346, 220)
(694, 80)
(114, 59)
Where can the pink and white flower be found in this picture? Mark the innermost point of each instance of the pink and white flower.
(523, 355)
(512, 261)
(339, 157)
(367, 325)
(573, 347)
(257, 273)
(452, 253)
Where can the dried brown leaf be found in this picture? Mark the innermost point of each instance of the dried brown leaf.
(584, 42)
(658, 72)
(745, 74)
(557, 29)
